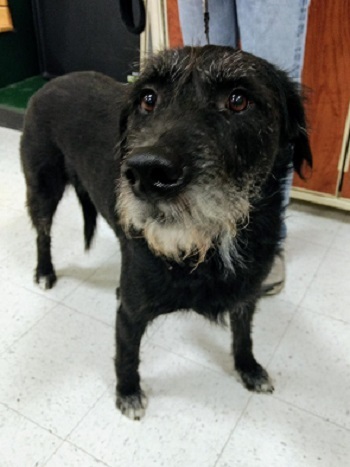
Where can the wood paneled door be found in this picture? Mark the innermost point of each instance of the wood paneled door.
(326, 74)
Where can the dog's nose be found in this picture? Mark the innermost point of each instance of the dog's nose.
(151, 173)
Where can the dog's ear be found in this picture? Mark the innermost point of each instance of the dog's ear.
(123, 124)
(296, 126)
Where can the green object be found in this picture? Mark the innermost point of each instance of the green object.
(133, 78)
(18, 94)
(18, 49)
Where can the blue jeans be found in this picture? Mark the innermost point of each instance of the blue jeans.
(271, 29)
(222, 24)
(275, 30)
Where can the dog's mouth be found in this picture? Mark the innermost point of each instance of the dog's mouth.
(186, 226)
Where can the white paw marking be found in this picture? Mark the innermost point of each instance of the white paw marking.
(134, 406)
(44, 282)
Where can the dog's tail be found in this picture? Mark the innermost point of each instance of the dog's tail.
(89, 213)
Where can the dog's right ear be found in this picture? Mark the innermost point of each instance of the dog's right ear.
(296, 128)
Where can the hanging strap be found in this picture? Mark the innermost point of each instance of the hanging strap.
(206, 20)
(127, 15)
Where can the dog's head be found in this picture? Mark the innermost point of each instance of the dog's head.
(202, 131)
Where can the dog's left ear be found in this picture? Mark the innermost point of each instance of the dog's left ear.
(296, 127)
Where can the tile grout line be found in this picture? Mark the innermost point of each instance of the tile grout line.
(233, 429)
(71, 292)
(295, 313)
(327, 420)
(85, 315)
(55, 304)
(297, 308)
(39, 426)
(202, 365)
(66, 440)
(314, 275)
(318, 313)
(80, 449)
(9, 347)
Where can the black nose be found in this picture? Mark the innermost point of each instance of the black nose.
(151, 173)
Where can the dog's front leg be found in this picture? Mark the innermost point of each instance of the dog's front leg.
(253, 375)
(131, 400)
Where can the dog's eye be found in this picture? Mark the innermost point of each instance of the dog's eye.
(237, 102)
(148, 100)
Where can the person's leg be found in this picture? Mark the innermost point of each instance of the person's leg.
(276, 31)
(222, 22)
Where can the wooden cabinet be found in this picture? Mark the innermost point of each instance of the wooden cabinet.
(326, 74)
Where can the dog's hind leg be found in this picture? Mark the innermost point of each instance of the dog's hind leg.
(131, 400)
(46, 180)
(89, 212)
(45, 274)
(254, 376)
(42, 204)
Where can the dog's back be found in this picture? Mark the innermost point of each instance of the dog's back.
(71, 126)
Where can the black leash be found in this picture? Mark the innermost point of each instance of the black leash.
(127, 15)
(206, 20)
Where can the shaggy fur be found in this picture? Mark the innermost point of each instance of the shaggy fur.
(190, 182)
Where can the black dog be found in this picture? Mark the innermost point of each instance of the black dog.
(187, 167)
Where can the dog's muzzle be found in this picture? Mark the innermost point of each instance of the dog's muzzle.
(153, 174)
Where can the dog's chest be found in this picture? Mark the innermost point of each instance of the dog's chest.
(208, 289)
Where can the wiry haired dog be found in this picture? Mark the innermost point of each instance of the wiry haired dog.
(187, 167)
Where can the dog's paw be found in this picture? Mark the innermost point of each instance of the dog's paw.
(133, 406)
(257, 380)
(47, 281)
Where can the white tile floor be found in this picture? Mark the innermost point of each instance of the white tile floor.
(57, 348)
